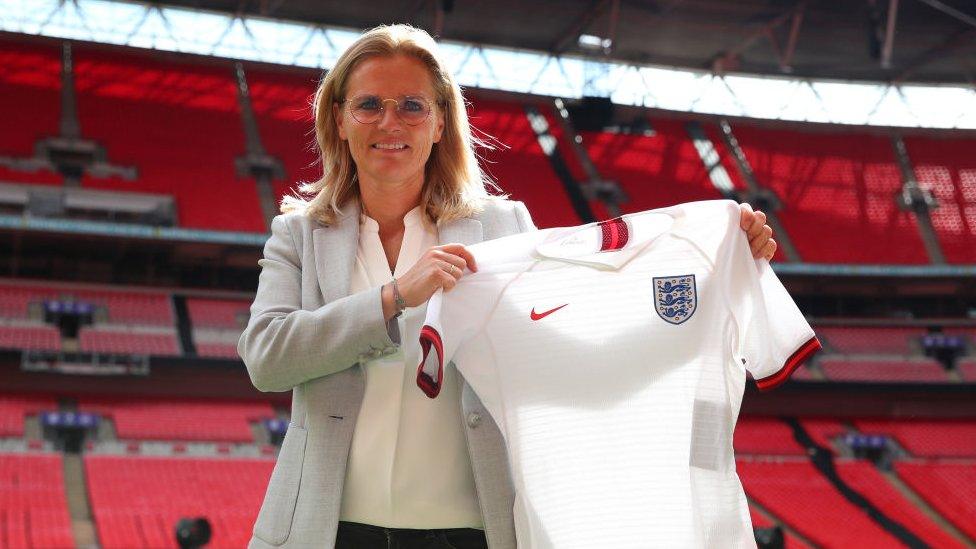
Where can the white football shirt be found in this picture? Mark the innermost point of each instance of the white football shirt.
(613, 357)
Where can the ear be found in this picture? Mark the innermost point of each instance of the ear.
(337, 115)
(438, 126)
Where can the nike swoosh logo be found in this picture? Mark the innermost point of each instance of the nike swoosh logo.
(539, 316)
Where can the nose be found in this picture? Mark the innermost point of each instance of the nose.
(389, 119)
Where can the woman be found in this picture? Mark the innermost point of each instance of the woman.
(339, 306)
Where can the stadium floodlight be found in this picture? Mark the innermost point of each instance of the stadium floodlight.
(589, 42)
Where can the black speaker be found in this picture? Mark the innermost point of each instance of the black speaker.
(591, 114)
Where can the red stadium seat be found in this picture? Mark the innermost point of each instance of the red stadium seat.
(870, 339)
(218, 313)
(136, 501)
(180, 419)
(40, 337)
(14, 408)
(863, 477)
(929, 438)
(797, 493)
(838, 193)
(177, 122)
(33, 506)
(765, 436)
(657, 171)
(883, 370)
(30, 84)
(518, 164)
(98, 340)
(950, 488)
(947, 168)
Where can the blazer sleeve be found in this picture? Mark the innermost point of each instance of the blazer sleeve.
(284, 345)
(523, 219)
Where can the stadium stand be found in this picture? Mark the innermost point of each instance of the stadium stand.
(14, 408)
(282, 106)
(823, 431)
(518, 164)
(927, 438)
(765, 436)
(16, 300)
(950, 488)
(217, 350)
(30, 85)
(967, 368)
(947, 169)
(136, 501)
(838, 192)
(38, 337)
(172, 419)
(883, 370)
(797, 493)
(135, 106)
(218, 313)
(863, 477)
(869, 339)
(99, 340)
(130, 308)
(655, 171)
(33, 506)
(759, 520)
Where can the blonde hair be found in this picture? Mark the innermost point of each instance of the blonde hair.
(454, 184)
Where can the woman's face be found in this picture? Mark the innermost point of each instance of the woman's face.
(389, 151)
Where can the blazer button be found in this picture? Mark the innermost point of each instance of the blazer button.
(474, 418)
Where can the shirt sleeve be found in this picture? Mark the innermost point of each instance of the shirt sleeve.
(771, 336)
(452, 318)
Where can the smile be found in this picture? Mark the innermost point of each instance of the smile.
(390, 146)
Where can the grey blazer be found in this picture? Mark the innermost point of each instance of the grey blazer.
(307, 334)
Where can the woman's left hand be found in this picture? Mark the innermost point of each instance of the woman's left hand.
(760, 234)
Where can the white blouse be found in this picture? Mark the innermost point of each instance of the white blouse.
(408, 465)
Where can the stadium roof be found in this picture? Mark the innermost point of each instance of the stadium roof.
(931, 40)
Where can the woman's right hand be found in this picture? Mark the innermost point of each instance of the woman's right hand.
(438, 267)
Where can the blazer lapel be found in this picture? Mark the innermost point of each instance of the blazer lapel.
(335, 251)
(464, 231)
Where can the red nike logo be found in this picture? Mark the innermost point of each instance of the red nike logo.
(539, 316)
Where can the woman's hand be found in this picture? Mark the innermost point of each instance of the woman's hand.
(439, 267)
(759, 233)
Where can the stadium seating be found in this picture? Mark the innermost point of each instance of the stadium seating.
(40, 337)
(218, 313)
(16, 299)
(518, 164)
(282, 103)
(864, 478)
(883, 370)
(30, 85)
(180, 419)
(33, 507)
(137, 106)
(14, 408)
(217, 350)
(136, 501)
(927, 438)
(950, 488)
(838, 192)
(967, 368)
(798, 494)
(946, 168)
(760, 521)
(655, 171)
(869, 339)
(823, 431)
(99, 340)
(765, 436)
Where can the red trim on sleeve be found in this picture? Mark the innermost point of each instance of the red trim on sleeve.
(430, 386)
(804, 352)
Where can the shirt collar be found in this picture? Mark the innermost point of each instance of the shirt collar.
(607, 245)
(411, 219)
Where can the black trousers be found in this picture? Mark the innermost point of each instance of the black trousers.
(353, 535)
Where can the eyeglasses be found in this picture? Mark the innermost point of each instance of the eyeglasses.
(368, 109)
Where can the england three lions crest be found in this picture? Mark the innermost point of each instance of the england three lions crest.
(675, 297)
